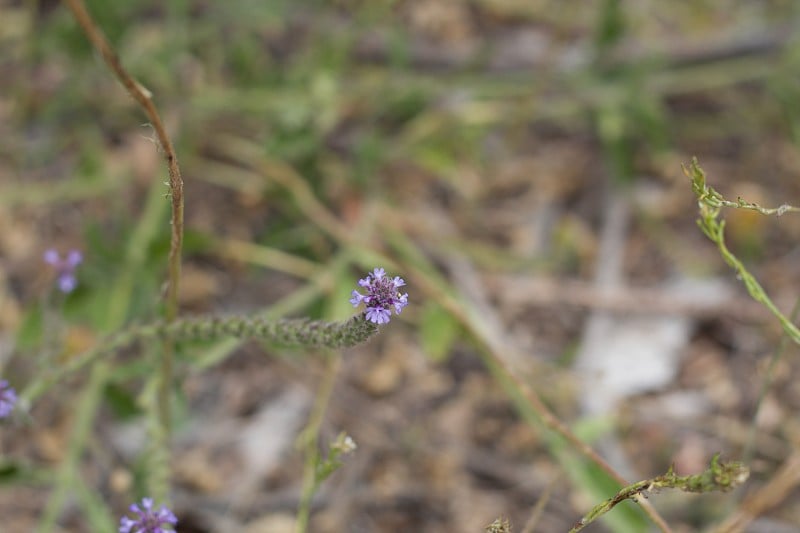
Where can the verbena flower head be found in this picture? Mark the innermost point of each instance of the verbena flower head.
(8, 398)
(148, 520)
(381, 296)
(65, 268)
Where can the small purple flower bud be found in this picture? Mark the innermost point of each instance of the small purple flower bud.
(381, 296)
(8, 398)
(65, 268)
(148, 520)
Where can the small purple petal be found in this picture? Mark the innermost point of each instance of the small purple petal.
(74, 258)
(356, 299)
(147, 519)
(378, 315)
(8, 398)
(126, 524)
(65, 268)
(67, 283)
(401, 303)
(51, 257)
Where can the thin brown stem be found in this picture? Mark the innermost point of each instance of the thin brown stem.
(144, 98)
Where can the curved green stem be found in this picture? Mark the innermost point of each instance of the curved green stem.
(719, 476)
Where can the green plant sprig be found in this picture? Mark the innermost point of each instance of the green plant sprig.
(710, 197)
(300, 332)
(500, 525)
(709, 204)
(718, 477)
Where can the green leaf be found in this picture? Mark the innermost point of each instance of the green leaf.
(121, 402)
(29, 335)
(438, 331)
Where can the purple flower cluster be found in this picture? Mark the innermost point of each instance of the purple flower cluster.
(65, 268)
(8, 398)
(381, 296)
(147, 519)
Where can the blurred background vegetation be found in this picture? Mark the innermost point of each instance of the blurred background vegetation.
(473, 147)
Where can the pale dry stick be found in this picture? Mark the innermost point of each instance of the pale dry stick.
(519, 290)
(288, 178)
(273, 258)
(785, 480)
(542, 291)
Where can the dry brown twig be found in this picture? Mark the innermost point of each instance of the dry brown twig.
(144, 98)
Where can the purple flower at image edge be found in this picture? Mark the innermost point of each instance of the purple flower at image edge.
(8, 398)
(148, 520)
(381, 296)
(65, 268)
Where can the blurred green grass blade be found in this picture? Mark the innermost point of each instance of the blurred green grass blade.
(611, 25)
(152, 219)
(31, 330)
(438, 331)
(14, 472)
(52, 194)
(338, 305)
(67, 474)
(591, 428)
(119, 298)
(368, 259)
(214, 354)
(121, 402)
(411, 254)
(96, 511)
